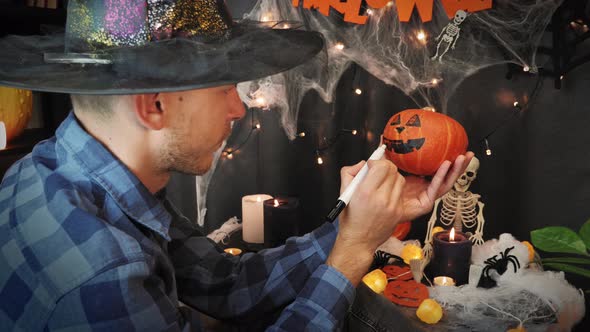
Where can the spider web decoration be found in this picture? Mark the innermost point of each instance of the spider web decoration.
(399, 53)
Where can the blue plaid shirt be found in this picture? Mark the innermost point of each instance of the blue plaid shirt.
(85, 246)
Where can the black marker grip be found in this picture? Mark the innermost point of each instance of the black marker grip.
(336, 211)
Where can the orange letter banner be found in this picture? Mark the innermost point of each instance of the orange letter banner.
(351, 8)
(406, 7)
(451, 6)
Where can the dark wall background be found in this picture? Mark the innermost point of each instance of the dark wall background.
(537, 175)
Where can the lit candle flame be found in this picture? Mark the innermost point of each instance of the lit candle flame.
(276, 202)
(452, 235)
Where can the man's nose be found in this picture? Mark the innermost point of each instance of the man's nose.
(237, 109)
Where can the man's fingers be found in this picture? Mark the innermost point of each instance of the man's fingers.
(438, 179)
(379, 176)
(347, 173)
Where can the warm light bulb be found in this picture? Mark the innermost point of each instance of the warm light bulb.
(526, 69)
(488, 152)
(434, 81)
(266, 17)
(354, 132)
(2, 136)
(301, 134)
(516, 104)
(561, 77)
(358, 91)
(369, 12)
(390, 3)
(276, 202)
(261, 101)
(320, 160)
(421, 35)
(258, 126)
(452, 235)
(230, 155)
(429, 108)
(339, 46)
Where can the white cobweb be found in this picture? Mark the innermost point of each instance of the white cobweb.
(393, 52)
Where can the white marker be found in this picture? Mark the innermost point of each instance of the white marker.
(344, 199)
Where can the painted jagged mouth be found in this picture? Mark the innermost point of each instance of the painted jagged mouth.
(399, 147)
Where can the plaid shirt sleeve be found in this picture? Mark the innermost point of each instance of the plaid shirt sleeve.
(292, 278)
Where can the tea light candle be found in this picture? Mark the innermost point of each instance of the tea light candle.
(2, 136)
(233, 251)
(281, 217)
(253, 218)
(451, 256)
(444, 281)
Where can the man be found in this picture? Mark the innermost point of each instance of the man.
(88, 240)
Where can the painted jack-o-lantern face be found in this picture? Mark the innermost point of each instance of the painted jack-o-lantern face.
(419, 141)
(402, 146)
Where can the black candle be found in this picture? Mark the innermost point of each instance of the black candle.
(451, 256)
(281, 217)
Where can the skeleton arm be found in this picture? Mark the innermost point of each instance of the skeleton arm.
(477, 238)
(441, 33)
(427, 250)
(456, 38)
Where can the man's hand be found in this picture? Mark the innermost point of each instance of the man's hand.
(419, 194)
(369, 219)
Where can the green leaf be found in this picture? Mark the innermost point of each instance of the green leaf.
(585, 233)
(569, 268)
(558, 239)
(571, 260)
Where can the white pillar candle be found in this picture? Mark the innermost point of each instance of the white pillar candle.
(253, 218)
(2, 136)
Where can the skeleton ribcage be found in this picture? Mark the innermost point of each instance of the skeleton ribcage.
(460, 210)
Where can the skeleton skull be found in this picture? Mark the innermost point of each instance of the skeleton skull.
(460, 16)
(464, 181)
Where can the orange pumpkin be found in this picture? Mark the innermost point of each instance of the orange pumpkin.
(419, 141)
(16, 107)
(402, 229)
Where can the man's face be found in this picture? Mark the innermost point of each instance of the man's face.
(198, 123)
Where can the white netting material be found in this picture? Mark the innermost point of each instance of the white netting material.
(530, 297)
(391, 51)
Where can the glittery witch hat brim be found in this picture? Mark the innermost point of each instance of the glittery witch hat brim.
(177, 64)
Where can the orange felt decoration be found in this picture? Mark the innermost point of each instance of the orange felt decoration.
(406, 293)
(452, 6)
(402, 229)
(16, 108)
(351, 8)
(419, 141)
(397, 272)
(406, 7)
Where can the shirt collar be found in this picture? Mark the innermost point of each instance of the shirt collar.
(132, 197)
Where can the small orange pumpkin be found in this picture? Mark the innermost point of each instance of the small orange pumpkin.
(419, 141)
(16, 107)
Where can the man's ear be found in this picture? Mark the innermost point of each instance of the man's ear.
(149, 111)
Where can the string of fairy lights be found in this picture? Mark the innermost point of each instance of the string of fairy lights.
(422, 37)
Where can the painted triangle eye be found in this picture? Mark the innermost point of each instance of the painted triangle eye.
(414, 121)
(395, 120)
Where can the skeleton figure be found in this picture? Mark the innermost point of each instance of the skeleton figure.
(460, 207)
(450, 34)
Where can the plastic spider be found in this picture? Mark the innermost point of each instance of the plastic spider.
(500, 265)
(381, 258)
